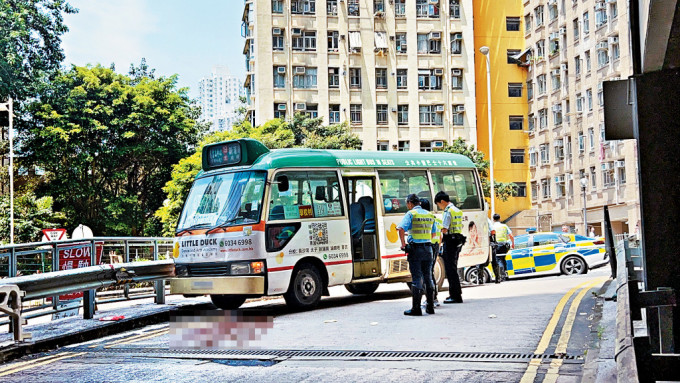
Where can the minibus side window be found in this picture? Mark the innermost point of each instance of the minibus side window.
(310, 195)
(396, 185)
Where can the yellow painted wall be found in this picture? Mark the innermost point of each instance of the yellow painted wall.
(490, 30)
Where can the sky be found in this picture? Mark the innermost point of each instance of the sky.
(176, 37)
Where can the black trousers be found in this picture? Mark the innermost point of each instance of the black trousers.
(500, 253)
(451, 252)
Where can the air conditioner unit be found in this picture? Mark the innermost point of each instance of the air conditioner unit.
(435, 36)
(457, 36)
(276, 31)
(438, 72)
(563, 30)
(393, 109)
(281, 69)
(457, 72)
(434, 1)
(299, 70)
(296, 31)
(555, 72)
(557, 108)
(614, 40)
(439, 108)
(552, 2)
(602, 45)
(564, 67)
(611, 1)
(437, 144)
(460, 108)
(569, 176)
(599, 6)
(606, 166)
(300, 106)
(281, 107)
(559, 179)
(620, 164)
(554, 36)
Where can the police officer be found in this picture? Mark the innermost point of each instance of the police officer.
(503, 233)
(453, 241)
(436, 241)
(420, 225)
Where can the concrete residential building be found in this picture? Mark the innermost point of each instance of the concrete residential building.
(400, 72)
(498, 27)
(573, 46)
(219, 97)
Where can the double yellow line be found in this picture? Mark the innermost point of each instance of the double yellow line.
(553, 370)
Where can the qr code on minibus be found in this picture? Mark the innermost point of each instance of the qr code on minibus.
(318, 233)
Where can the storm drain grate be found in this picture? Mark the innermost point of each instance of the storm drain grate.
(333, 354)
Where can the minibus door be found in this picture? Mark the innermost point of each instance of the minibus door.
(362, 222)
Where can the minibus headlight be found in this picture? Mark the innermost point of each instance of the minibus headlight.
(240, 268)
(181, 271)
(257, 267)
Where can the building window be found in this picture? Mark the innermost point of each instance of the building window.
(516, 156)
(423, 45)
(544, 151)
(404, 146)
(527, 23)
(456, 43)
(616, 49)
(602, 54)
(515, 89)
(593, 177)
(425, 146)
(381, 78)
(378, 6)
(280, 111)
(353, 8)
(304, 78)
(333, 41)
(532, 123)
(608, 178)
(534, 191)
(540, 49)
(579, 102)
(434, 43)
(621, 172)
(520, 189)
(533, 157)
(512, 24)
(381, 114)
(552, 11)
(577, 31)
(538, 16)
(577, 65)
(334, 114)
(600, 14)
(559, 150)
(541, 84)
(399, 8)
(383, 146)
(400, 39)
(311, 111)
(591, 139)
(355, 113)
(589, 99)
(454, 9)
(555, 79)
(277, 6)
(402, 114)
(332, 7)
(402, 78)
(305, 41)
(559, 186)
(557, 115)
(530, 90)
(586, 24)
(587, 57)
(458, 115)
(427, 8)
(516, 122)
(431, 115)
(511, 54)
(581, 143)
(542, 119)
(333, 78)
(279, 77)
(303, 7)
(277, 39)
(545, 188)
(355, 78)
(430, 79)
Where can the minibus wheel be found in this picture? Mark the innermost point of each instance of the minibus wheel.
(439, 273)
(227, 302)
(362, 288)
(305, 289)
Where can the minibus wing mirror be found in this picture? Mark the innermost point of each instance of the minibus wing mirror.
(320, 194)
(282, 181)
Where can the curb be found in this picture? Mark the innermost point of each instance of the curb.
(16, 351)
(590, 366)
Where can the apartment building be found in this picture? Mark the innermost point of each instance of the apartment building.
(498, 27)
(400, 72)
(219, 96)
(572, 46)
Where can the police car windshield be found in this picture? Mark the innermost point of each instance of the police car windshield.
(224, 199)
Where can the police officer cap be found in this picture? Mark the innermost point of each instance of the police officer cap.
(412, 198)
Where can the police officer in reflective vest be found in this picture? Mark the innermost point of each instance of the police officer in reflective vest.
(453, 241)
(503, 233)
(436, 241)
(420, 225)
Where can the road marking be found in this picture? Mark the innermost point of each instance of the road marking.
(142, 335)
(534, 364)
(17, 365)
(56, 358)
(128, 341)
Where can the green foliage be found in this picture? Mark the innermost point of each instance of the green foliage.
(30, 39)
(274, 134)
(107, 142)
(503, 190)
(31, 215)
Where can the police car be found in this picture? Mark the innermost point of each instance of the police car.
(550, 253)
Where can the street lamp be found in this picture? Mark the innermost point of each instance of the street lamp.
(485, 51)
(9, 107)
(584, 185)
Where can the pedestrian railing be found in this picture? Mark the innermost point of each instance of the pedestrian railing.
(33, 272)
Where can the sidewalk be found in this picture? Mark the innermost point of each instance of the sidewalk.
(600, 366)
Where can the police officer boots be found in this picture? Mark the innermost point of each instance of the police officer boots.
(430, 301)
(416, 297)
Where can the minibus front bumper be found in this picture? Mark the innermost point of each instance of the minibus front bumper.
(241, 285)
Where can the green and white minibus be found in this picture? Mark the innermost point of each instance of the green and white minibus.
(297, 221)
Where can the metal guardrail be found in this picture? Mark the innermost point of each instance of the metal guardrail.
(14, 290)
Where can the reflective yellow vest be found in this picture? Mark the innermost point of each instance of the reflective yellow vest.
(436, 237)
(456, 226)
(502, 231)
(421, 225)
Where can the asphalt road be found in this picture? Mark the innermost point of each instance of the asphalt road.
(530, 330)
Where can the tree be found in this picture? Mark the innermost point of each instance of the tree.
(503, 190)
(30, 44)
(107, 142)
(302, 131)
(31, 215)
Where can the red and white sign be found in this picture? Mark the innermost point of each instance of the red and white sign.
(75, 256)
(51, 235)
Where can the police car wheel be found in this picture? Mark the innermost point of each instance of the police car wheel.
(227, 302)
(305, 289)
(574, 265)
(362, 288)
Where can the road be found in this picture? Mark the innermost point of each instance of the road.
(530, 330)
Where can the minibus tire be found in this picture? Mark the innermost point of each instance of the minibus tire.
(442, 273)
(362, 288)
(227, 302)
(305, 288)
